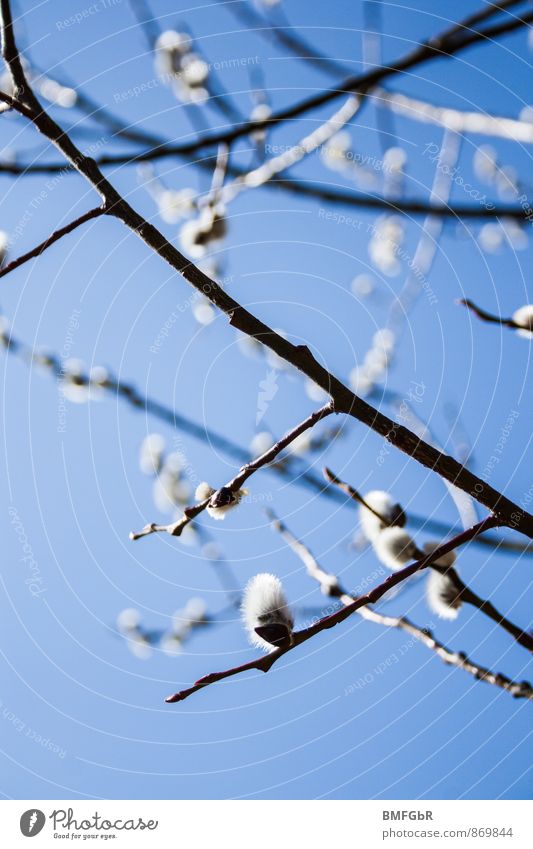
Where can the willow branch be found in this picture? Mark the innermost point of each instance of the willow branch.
(266, 662)
(302, 188)
(343, 400)
(352, 493)
(235, 484)
(429, 524)
(309, 143)
(490, 317)
(330, 586)
(468, 596)
(464, 593)
(54, 237)
(460, 121)
(295, 186)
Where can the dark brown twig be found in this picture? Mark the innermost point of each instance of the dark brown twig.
(490, 317)
(331, 586)
(468, 596)
(352, 493)
(54, 237)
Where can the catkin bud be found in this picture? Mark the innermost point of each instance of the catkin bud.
(265, 612)
(382, 503)
(224, 500)
(394, 547)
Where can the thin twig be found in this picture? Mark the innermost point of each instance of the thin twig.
(352, 493)
(468, 596)
(235, 484)
(490, 317)
(54, 237)
(266, 662)
(331, 586)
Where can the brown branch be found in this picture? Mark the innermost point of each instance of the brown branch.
(489, 317)
(235, 484)
(467, 595)
(464, 593)
(265, 663)
(296, 186)
(54, 237)
(331, 586)
(298, 355)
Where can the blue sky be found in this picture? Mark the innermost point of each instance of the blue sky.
(82, 716)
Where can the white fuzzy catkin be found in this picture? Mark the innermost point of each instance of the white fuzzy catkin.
(203, 491)
(264, 603)
(441, 590)
(151, 453)
(381, 502)
(524, 316)
(441, 595)
(394, 548)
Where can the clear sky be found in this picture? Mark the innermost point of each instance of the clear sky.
(81, 716)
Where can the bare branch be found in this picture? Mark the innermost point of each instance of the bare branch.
(234, 485)
(470, 597)
(489, 317)
(265, 663)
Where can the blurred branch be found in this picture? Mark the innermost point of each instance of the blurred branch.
(330, 586)
(455, 119)
(343, 400)
(446, 44)
(219, 98)
(296, 186)
(276, 164)
(288, 469)
(418, 110)
(266, 662)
